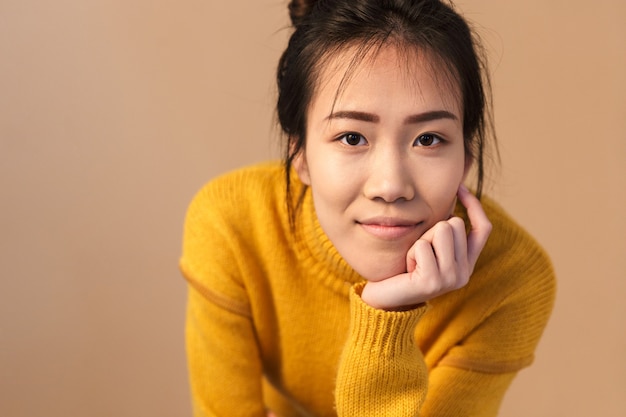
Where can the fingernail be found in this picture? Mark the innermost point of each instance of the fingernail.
(463, 188)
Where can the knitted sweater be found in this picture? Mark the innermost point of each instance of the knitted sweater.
(275, 320)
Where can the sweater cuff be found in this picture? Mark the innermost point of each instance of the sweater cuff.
(389, 333)
(381, 371)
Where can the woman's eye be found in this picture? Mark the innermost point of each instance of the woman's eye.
(353, 139)
(427, 140)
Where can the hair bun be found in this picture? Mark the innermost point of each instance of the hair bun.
(299, 9)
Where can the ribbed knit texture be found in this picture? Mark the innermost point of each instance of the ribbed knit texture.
(275, 319)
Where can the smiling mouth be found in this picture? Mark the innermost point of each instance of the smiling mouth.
(388, 230)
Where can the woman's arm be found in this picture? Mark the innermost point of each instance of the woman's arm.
(223, 356)
(456, 392)
(473, 376)
(224, 364)
(381, 371)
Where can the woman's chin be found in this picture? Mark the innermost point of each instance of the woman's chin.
(379, 272)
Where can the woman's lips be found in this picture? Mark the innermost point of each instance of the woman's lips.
(388, 229)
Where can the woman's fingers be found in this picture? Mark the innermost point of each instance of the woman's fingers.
(480, 225)
(443, 246)
(460, 238)
(426, 272)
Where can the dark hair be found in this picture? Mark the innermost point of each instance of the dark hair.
(326, 26)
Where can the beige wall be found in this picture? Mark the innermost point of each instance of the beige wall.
(112, 113)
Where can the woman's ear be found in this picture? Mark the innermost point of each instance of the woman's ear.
(301, 167)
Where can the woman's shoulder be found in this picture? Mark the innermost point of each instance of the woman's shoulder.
(236, 198)
(507, 234)
(248, 185)
(265, 175)
(511, 251)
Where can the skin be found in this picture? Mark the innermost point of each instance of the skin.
(385, 161)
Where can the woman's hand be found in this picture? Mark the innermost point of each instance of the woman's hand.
(442, 260)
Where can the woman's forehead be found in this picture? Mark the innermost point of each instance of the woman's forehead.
(417, 69)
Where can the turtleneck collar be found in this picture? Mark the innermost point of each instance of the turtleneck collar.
(314, 244)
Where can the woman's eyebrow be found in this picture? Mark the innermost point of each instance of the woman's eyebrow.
(356, 115)
(429, 116)
(412, 119)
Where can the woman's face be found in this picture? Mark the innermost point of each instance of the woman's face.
(384, 157)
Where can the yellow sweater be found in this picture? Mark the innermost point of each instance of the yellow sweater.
(275, 320)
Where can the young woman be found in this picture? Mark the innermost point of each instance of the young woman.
(361, 277)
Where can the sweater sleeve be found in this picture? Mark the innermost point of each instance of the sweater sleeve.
(472, 378)
(224, 368)
(381, 371)
(223, 356)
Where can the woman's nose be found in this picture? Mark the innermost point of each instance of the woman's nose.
(389, 178)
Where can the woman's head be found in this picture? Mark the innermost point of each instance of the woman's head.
(326, 28)
(384, 157)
